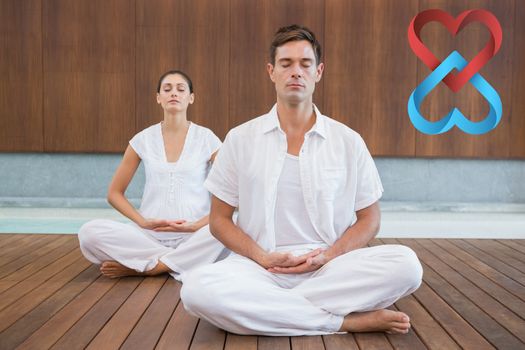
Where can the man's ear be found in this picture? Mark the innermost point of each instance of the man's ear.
(319, 73)
(269, 68)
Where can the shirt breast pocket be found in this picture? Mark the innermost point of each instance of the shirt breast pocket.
(332, 182)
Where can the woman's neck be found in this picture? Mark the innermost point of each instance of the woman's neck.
(174, 122)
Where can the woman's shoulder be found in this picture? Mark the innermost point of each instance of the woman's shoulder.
(203, 131)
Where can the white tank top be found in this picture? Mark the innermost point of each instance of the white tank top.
(293, 228)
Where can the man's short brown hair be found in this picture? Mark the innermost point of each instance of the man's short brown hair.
(294, 33)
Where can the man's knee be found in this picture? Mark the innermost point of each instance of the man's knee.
(408, 269)
(196, 294)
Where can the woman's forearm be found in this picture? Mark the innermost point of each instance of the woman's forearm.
(122, 204)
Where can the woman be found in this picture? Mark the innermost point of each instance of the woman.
(170, 231)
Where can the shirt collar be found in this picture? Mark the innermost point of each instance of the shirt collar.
(271, 122)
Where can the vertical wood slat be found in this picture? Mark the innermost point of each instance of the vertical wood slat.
(89, 75)
(192, 36)
(498, 72)
(253, 24)
(370, 71)
(21, 82)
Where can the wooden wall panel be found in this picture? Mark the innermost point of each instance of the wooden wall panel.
(89, 75)
(193, 36)
(21, 76)
(370, 71)
(517, 109)
(498, 72)
(253, 24)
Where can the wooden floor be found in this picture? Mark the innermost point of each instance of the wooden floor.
(473, 297)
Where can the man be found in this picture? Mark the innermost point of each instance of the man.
(307, 192)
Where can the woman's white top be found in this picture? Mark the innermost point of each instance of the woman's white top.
(175, 191)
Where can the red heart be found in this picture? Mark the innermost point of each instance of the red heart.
(454, 26)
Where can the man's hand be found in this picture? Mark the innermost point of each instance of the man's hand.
(288, 263)
(312, 261)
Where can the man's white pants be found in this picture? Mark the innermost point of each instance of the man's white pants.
(102, 240)
(240, 296)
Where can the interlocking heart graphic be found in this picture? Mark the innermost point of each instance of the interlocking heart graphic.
(468, 71)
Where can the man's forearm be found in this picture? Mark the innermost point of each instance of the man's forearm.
(235, 239)
(358, 235)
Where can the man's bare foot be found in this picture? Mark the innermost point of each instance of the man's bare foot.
(389, 321)
(113, 269)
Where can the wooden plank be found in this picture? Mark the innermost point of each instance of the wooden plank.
(426, 327)
(21, 71)
(273, 343)
(496, 276)
(462, 332)
(185, 35)
(477, 316)
(340, 341)
(512, 244)
(89, 75)
(148, 330)
(179, 332)
(251, 37)
(7, 239)
(29, 301)
(15, 250)
(240, 342)
(307, 343)
(117, 329)
(37, 265)
(59, 324)
(497, 264)
(517, 108)
(495, 249)
(483, 283)
(32, 257)
(372, 341)
(370, 71)
(519, 241)
(20, 288)
(208, 337)
(508, 250)
(81, 334)
(30, 322)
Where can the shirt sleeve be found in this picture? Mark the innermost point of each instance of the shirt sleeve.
(138, 144)
(369, 187)
(222, 180)
(214, 143)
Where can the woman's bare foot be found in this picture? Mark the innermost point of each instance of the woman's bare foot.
(113, 269)
(389, 321)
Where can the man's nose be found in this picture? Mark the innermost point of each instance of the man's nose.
(296, 71)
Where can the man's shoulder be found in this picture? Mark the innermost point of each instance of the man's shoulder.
(336, 128)
(250, 128)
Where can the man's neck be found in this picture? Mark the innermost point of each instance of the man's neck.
(296, 118)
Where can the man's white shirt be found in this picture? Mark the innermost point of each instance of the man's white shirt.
(338, 176)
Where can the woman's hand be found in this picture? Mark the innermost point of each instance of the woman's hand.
(154, 224)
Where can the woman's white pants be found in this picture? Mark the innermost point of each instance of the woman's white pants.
(102, 240)
(240, 296)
